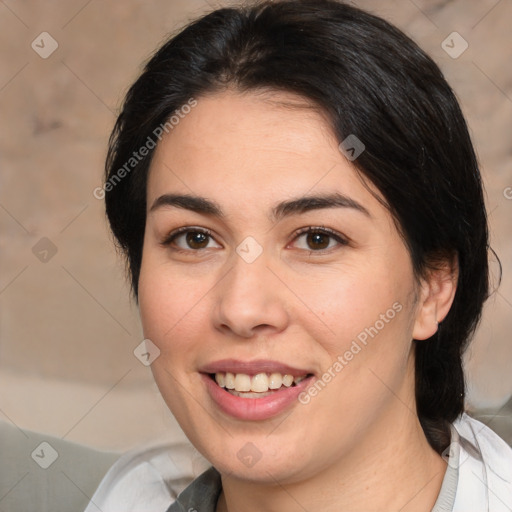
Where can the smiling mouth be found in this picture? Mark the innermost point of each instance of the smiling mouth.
(255, 386)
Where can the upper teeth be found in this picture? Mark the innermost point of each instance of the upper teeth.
(260, 382)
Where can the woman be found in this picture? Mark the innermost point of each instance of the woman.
(300, 205)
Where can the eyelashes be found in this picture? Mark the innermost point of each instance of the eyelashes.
(191, 235)
(193, 239)
(318, 236)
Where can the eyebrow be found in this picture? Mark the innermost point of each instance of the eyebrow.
(283, 209)
(316, 202)
(188, 202)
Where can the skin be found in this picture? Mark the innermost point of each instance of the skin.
(358, 444)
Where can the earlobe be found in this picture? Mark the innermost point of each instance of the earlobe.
(436, 297)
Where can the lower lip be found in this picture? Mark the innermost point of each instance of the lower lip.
(254, 409)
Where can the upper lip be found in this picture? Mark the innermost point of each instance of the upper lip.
(252, 367)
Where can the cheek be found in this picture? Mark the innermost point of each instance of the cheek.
(357, 305)
(171, 310)
(171, 306)
(368, 354)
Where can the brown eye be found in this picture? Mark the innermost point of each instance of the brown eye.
(197, 239)
(189, 239)
(318, 241)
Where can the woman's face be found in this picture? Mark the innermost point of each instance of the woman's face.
(244, 289)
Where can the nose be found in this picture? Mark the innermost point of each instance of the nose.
(250, 301)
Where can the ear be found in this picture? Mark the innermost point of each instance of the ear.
(437, 292)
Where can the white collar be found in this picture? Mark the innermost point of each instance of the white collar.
(485, 468)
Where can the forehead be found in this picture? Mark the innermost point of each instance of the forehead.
(241, 147)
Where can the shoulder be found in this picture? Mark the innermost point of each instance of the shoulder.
(147, 480)
(485, 467)
(494, 450)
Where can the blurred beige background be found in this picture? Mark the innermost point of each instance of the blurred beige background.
(67, 326)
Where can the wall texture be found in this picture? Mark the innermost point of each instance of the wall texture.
(67, 326)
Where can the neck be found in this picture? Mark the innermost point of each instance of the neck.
(392, 467)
